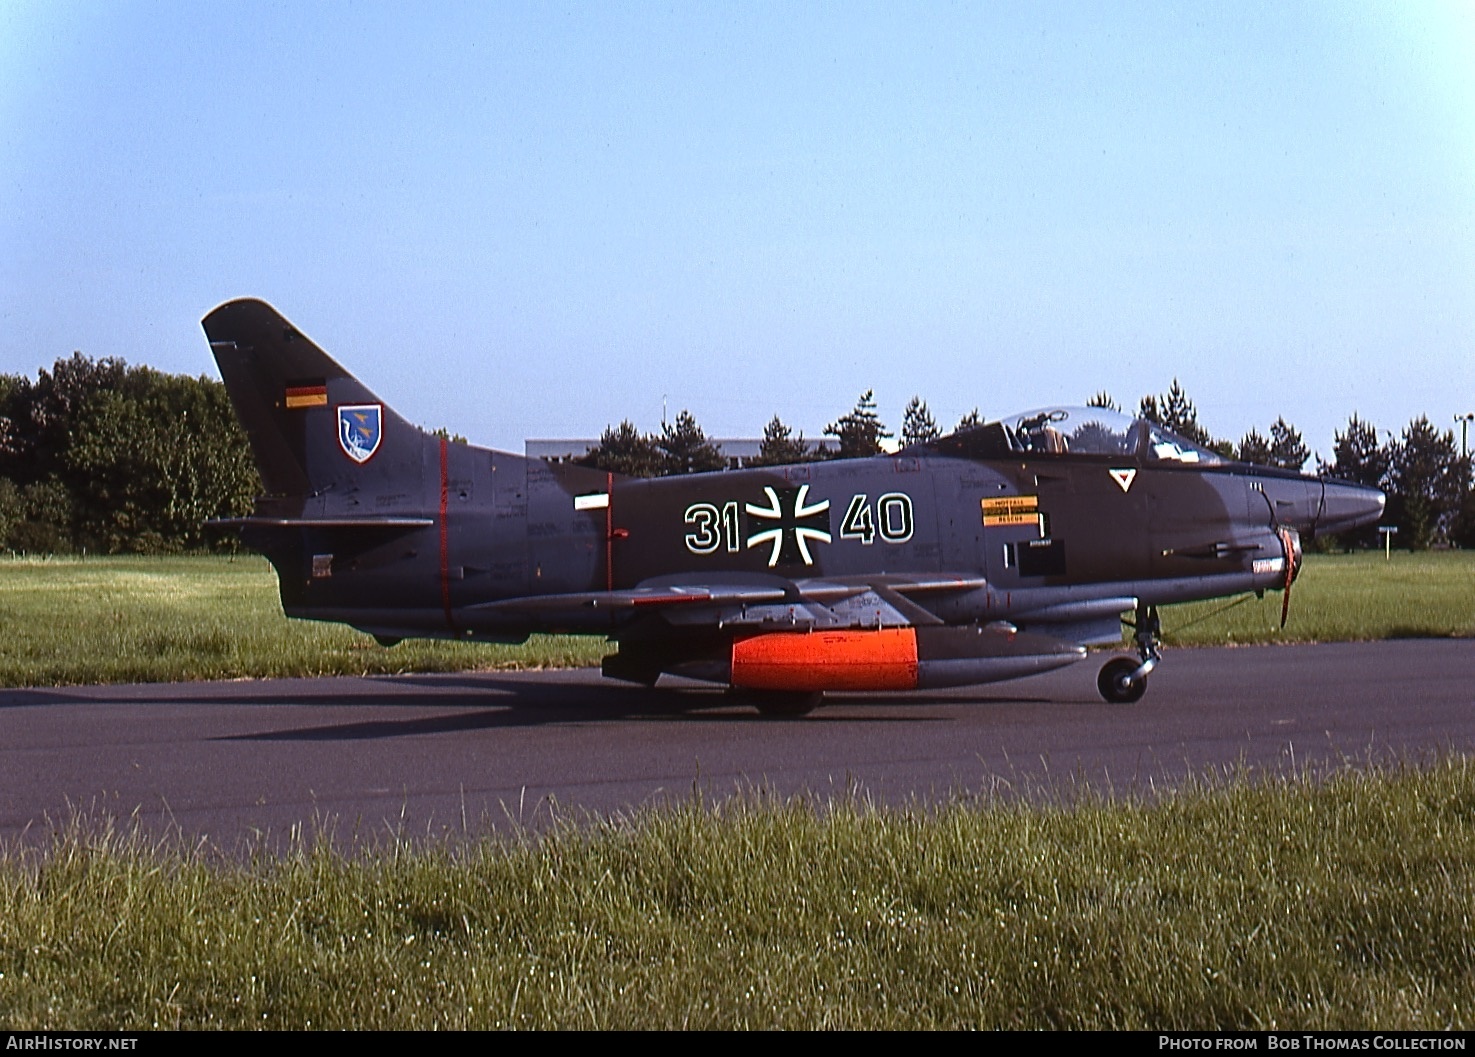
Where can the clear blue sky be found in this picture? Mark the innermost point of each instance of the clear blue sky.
(525, 220)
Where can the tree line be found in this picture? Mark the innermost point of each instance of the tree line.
(98, 456)
(683, 447)
(1427, 480)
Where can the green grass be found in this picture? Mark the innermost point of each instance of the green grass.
(72, 620)
(1293, 904)
(1345, 597)
(1340, 903)
(96, 620)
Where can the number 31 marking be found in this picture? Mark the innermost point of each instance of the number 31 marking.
(713, 528)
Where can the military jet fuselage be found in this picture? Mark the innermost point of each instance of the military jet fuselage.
(991, 553)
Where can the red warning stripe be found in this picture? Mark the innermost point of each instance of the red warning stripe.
(884, 659)
(609, 532)
(445, 554)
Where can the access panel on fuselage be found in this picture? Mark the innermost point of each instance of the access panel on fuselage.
(567, 528)
(485, 500)
(1191, 511)
(1075, 521)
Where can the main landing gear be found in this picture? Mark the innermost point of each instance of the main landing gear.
(778, 704)
(1123, 680)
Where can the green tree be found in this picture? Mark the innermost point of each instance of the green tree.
(155, 458)
(41, 417)
(12, 509)
(686, 449)
(780, 447)
(1425, 478)
(1254, 448)
(624, 449)
(44, 524)
(1103, 399)
(1358, 457)
(917, 424)
(972, 420)
(116, 458)
(1176, 412)
(859, 432)
(1283, 448)
(1462, 530)
(1286, 449)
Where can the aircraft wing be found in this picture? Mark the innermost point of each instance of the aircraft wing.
(866, 633)
(747, 600)
(645, 597)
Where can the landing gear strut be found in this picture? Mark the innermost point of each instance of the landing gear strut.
(1122, 680)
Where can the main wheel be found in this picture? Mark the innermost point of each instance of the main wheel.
(781, 704)
(1113, 682)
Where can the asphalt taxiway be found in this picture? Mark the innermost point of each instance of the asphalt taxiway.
(425, 755)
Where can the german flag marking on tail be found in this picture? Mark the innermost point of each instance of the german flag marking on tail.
(306, 394)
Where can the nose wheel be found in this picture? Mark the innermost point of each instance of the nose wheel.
(1116, 683)
(1123, 680)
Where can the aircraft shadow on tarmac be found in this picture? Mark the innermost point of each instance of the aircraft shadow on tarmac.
(532, 704)
(482, 701)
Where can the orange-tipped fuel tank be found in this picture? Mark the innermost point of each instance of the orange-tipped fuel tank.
(883, 659)
(894, 658)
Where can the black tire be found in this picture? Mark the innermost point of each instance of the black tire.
(1112, 682)
(781, 704)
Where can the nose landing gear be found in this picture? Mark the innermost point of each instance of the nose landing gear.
(1122, 680)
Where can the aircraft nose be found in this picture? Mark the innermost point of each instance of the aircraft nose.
(1348, 506)
(1317, 506)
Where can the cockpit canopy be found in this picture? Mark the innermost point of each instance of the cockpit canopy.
(1074, 431)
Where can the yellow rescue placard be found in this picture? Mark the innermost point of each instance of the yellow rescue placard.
(1002, 520)
(1005, 510)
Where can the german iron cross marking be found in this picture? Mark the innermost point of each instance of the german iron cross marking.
(791, 525)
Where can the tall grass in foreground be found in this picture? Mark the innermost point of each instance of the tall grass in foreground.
(1342, 903)
(69, 620)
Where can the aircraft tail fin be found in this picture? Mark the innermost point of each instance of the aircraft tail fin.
(314, 429)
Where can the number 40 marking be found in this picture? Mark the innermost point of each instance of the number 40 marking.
(891, 518)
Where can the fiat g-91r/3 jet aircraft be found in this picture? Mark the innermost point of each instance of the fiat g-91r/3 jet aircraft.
(992, 553)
